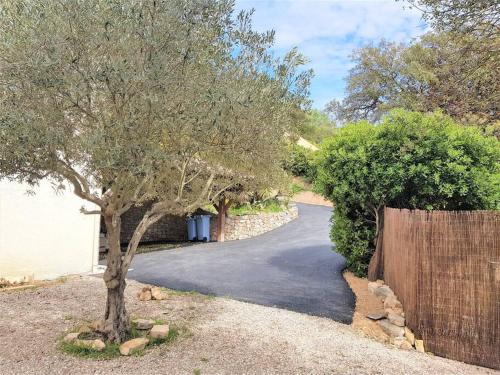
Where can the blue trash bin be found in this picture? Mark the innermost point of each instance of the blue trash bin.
(203, 227)
(191, 229)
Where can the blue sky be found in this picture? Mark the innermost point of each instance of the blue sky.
(326, 31)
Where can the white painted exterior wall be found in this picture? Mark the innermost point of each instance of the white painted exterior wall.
(44, 236)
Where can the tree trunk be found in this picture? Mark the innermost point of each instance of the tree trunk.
(116, 319)
(376, 265)
(221, 218)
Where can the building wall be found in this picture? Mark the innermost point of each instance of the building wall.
(44, 236)
(168, 229)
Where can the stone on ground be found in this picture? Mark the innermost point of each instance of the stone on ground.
(145, 294)
(97, 325)
(97, 344)
(158, 294)
(383, 291)
(376, 316)
(85, 329)
(391, 329)
(133, 345)
(409, 336)
(391, 302)
(419, 345)
(396, 319)
(372, 285)
(71, 337)
(395, 310)
(144, 323)
(401, 343)
(159, 331)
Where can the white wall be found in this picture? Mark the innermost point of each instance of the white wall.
(44, 235)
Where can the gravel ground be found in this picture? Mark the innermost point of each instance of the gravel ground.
(227, 337)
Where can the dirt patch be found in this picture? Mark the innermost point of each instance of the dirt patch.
(307, 195)
(366, 303)
(226, 337)
(310, 197)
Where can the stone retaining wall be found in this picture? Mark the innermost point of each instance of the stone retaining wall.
(393, 321)
(173, 228)
(247, 226)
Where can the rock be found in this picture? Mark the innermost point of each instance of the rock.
(145, 295)
(159, 331)
(376, 316)
(71, 337)
(372, 285)
(395, 310)
(97, 325)
(419, 345)
(391, 329)
(85, 329)
(383, 291)
(158, 294)
(391, 302)
(144, 323)
(133, 345)
(396, 319)
(409, 336)
(401, 343)
(97, 344)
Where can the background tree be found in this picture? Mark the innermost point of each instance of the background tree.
(154, 100)
(410, 160)
(315, 126)
(481, 17)
(437, 72)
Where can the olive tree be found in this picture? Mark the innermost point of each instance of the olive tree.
(126, 102)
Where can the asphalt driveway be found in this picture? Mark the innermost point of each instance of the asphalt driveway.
(292, 267)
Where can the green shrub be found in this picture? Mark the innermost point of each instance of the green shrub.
(352, 239)
(270, 205)
(300, 162)
(296, 188)
(410, 160)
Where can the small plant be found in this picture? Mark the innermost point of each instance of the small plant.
(113, 350)
(173, 334)
(267, 206)
(296, 188)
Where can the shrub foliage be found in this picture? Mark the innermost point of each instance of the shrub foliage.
(409, 160)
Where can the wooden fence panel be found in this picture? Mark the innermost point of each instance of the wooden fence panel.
(444, 266)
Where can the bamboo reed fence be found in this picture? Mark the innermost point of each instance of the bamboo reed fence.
(444, 267)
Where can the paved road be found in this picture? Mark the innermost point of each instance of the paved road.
(292, 267)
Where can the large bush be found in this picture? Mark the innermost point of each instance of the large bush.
(410, 160)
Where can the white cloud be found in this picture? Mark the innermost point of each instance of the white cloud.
(327, 32)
